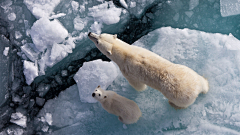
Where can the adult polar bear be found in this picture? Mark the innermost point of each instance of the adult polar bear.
(178, 83)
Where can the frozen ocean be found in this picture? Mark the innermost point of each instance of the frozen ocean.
(49, 67)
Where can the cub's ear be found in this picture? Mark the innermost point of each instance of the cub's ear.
(105, 96)
(98, 86)
(115, 36)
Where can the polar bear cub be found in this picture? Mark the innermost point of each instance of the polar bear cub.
(178, 83)
(127, 110)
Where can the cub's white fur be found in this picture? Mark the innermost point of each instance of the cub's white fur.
(141, 67)
(127, 110)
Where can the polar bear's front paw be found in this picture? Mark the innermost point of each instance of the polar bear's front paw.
(142, 88)
(138, 86)
(175, 107)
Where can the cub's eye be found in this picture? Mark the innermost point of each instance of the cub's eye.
(97, 42)
(95, 90)
(99, 95)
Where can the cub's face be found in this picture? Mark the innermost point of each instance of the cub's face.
(98, 94)
(103, 42)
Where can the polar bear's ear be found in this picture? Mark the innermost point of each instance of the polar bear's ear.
(98, 86)
(109, 52)
(105, 96)
(115, 36)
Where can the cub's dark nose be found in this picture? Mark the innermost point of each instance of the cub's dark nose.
(89, 33)
(93, 95)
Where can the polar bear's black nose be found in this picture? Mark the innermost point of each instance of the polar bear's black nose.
(93, 95)
(89, 33)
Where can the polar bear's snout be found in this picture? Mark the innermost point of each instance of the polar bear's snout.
(93, 36)
(93, 94)
(89, 33)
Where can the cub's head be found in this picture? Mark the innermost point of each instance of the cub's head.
(104, 42)
(99, 94)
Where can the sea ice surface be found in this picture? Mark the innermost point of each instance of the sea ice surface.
(41, 8)
(19, 119)
(5, 52)
(45, 32)
(229, 7)
(30, 51)
(11, 16)
(30, 71)
(105, 13)
(92, 74)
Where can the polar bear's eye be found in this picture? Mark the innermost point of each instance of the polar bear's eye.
(99, 95)
(97, 42)
(95, 90)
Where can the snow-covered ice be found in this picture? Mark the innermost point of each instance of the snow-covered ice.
(75, 5)
(79, 23)
(92, 74)
(19, 119)
(6, 50)
(45, 32)
(18, 35)
(229, 7)
(41, 8)
(30, 51)
(96, 27)
(47, 118)
(30, 71)
(132, 4)
(105, 13)
(57, 16)
(11, 16)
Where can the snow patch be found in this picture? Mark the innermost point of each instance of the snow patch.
(5, 52)
(105, 13)
(12, 16)
(41, 8)
(45, 33)
(30, 71)
(19, 119)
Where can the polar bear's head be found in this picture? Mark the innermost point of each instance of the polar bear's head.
(99, 94)
(104, 42)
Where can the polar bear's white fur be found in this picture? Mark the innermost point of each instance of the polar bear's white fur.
(141, 67)
(127, 110)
